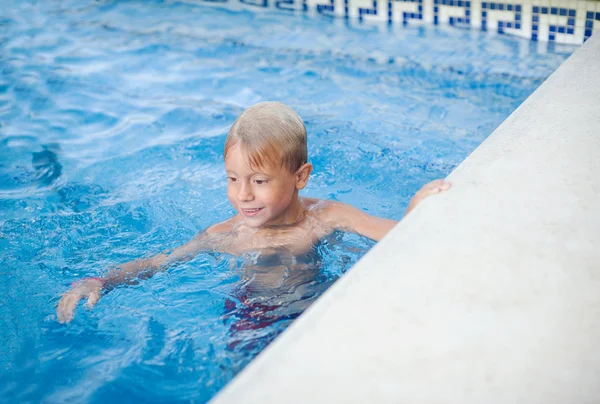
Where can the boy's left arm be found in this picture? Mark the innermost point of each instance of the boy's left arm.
(348, 218)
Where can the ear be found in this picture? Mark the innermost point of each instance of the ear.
(302, 175)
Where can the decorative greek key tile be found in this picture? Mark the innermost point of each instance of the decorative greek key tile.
(563, 21)
(401, 11)
(452, 12)
(590, 17)
(499, 16)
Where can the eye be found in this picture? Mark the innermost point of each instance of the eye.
(260, 182)
(231, 179)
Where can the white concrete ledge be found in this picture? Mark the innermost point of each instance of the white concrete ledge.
(489, 293)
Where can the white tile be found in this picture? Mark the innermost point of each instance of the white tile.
(428, 11)
(579, 34)
(398, 9)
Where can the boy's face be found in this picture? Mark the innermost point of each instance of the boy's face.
(262, 196)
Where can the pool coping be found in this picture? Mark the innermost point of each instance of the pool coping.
(485, 293)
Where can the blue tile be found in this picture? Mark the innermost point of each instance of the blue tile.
(553, 10)
(562, 11)
(535, 18)
(493, 6)
(589, 24)
(588, 33)
(484, 7)
(509, 25)
(500, 24)
(570, 31)
(571, 21)
(561, 30)
(435, 9)
(435, 20)
(534, 28)
(589, 15)
(517, 17)
(484, 14)
(420, 9)
(460, 3)
(468, 13)
(518, 8)
(551, 37)
(468, 4)
(571, 13)
(518, 26)
(500, 6)
(544, 10)
(597, 16)
(552, 28)
(534, 37)
(451, 21)
(536, 9)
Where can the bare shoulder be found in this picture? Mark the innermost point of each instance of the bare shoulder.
(214, 238)
(223, 227)
(331, 213)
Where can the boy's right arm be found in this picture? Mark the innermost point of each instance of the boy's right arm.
(91, 288)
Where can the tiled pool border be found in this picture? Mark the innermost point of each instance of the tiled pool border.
(561, 21)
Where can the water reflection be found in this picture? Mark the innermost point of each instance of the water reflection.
(276, 287)
(46, 165)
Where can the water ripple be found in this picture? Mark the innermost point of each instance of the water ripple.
(113, 117)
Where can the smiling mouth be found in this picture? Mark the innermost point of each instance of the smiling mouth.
(251, 212)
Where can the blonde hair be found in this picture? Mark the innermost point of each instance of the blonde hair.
(270, 133)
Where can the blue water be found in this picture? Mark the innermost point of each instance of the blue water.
(113, 117)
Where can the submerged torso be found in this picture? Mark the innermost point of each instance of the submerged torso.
(278, 262)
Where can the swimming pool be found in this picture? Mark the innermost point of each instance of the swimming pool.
(113, 118)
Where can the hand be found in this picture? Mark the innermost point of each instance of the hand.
(434, 187)
(90, 288)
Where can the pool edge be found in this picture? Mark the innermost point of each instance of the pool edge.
(486, 293)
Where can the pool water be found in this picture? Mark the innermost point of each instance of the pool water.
(113, 117)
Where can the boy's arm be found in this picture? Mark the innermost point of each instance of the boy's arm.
(145, 268)
(91, 288)
(341, 216)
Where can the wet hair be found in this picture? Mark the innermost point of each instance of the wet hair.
(270, 134)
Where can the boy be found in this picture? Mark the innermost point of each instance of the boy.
(267, 164)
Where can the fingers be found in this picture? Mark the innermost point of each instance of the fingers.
(66, 305)
(436, 186)
(445, 185)
(91, 288)
(93, 299)
(440, 185)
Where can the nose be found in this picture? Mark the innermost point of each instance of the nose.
(245, 193)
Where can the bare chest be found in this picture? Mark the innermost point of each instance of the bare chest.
(295, 239)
